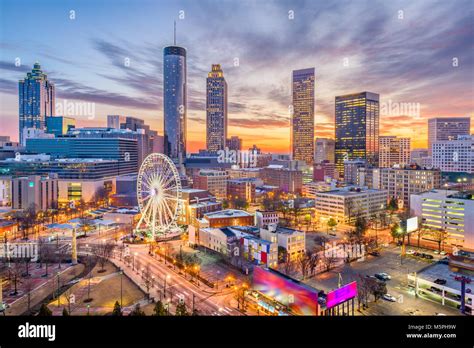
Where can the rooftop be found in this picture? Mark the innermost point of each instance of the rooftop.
(228, 213)
(443, 271)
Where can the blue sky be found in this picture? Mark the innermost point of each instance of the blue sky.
(406, 60)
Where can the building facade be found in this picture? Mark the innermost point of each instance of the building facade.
(243, 189)
(302, 120)
(174, 103)
(34, 191)
(454, 155)
(216, 109)
(59, 125)
(357, 128)
(447, 128)
(234, 143)
(36, 97)
(449, 211)
(214, 181)
(394, 150)
(345, 206)
(287, 180)
(324, 150)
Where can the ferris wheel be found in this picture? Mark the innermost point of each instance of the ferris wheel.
(159, 195)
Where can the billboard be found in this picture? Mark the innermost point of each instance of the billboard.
(340, 295)
(412, 224)
(301, 299)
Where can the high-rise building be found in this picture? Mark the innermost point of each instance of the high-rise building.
(174, 103)
(234, 143)
(447, 128)
(357, 128)
(216, 109)
(393, 150)
(324, 150)
(454, 155)
(34, 191)
(36, 96)
(302, 120)
(350, 170)
(59, 125)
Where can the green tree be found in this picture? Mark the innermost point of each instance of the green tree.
(137, 311)
(65, 312)
(45, 311)
(396, 231)
(159, 309)
(331, 224)
(117, 312)
(181, 309)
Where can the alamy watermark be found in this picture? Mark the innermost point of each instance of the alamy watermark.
(247, 159)
(75, 109)
(344, 251)
(393, 108)
(12, 251)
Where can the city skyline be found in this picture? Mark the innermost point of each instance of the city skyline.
(258, 69)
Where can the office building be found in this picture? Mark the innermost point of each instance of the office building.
(346, 205)
(287, 180)
(59, 125)
(302, 120)
(447, 128)
(394, 150)
(449, 211)
(175, 103)
(454, 155)
(36, 97)
(195, 204)
(324, 171)
(234, 143)
(400, 183)
(34, 191)
(263, 218)
(216, 109)
(115, 121)
(350, 170)
(97, 146)
(125, 191)
(311, 188)
(214, 181)
(243, 189)
(357, 129)
(420, 157)
(324, 150)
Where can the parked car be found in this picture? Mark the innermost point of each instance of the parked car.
(411, 252)
(443, 253)
(389, 297)
(374, 253)
(383, 276)
(440, 281)
(436, 252)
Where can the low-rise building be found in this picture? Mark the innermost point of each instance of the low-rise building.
(345, 205)
(293, 241)
(286, 179)
(264, 218)
(229, 217)
(243, 188)
(447, 210)
(310, 188)
(214, 181)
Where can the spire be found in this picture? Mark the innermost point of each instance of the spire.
(174, 41)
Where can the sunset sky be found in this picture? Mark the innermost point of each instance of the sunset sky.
(403, 50)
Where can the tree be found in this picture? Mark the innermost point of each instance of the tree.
(159, 309)
(14, 275)
(282, 254)
(86, 225)
(29, 286)
(329, 261)
(288, 265)
(439, 236)
(65, 312)
(117, 312)
(103, 252)
(137, 311)
(303, 261)
(331, 224)
(313, 262)
(45, 311)
(181, 309)
(100, 196)
(396, 231)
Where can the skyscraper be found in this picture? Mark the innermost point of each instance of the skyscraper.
(174, 103)
(216, 109)
(447, 128)
(302, 120)
(324, 150)
(36, 100)
(357, 128)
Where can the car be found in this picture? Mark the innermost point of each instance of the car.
(411, 252)
(427, 256)
(416, 253)
(443, 253)
(440, 281)
(389, 297)
(374, 253)
(383, 276)
(436, 252)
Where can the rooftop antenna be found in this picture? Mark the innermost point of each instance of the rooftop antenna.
(174, 33)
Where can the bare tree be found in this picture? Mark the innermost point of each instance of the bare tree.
(303, 261)
(14, 275)
(329, 262)
(289, 265)
(313, 262)
(103, 252)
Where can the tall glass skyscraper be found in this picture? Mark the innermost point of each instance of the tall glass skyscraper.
(302, 120)
(216, 109)
(174, 101)
(36, 99)
(357, 128)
